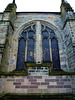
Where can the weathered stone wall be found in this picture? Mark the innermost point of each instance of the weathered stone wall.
(69, 39)
(3, 33)
(53, 20)
(0, 16)
(6, 32)
(37, 84)
(6, 62)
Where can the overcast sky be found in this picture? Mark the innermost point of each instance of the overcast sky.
(36, 5)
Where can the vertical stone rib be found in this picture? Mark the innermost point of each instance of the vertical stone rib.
(50, 50)
(26, 52)
(38, 43)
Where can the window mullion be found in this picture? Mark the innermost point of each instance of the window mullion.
(38, 43)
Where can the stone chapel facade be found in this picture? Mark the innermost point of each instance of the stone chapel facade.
(37, 38)
(26, 35)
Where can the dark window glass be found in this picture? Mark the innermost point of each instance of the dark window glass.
(52, 35)
(30, 51)
(55, 54)
(45, 34)
(34, 27)
(42, 27)
(46, 50)
(27, 29)
(24, 34)
(21, 54)
(30, 33)
(48, 29)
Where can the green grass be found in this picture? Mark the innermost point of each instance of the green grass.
(63, 96)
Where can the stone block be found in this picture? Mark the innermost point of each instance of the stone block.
(33, 87)
(56, 80)
(52, 83)
(54, 90)
(19, 80)
(44, 83)
(40, 80)
(50, 86)
(69, 90)
(31, 90)
(35, 83)
(10, 79)
(67, 83)
(59, 86)
(63, 80)
(42, 87)
(32, 80)
(62, 90)
(49, 80)
(67, 86)
(26, 83)
(37, 77)
(58, 83)
(37, 90)
(16, 83)
(17, 86)
(24, 86)
(58, 77)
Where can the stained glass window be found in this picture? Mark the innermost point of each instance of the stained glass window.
(45, 34)
(30, 51)
(21, 54)
(46, 51)
(49, 39)
(55, 54)
(27, 42)
(31, 34)
(24, 34)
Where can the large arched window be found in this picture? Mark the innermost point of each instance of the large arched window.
(21, 54)
(45, 45)
(55, 54)
(30, 51)
(50, 47)
(38, 43)
(26, 47)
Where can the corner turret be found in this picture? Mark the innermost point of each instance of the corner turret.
(13, 1)
(66, 11)
(10, 12)
(7, 25)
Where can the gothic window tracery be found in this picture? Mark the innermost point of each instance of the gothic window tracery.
(49, 40)
(26, 47)
(28, 44)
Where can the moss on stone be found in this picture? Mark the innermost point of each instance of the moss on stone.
(10, 7)
(61, 72)
(47, 96)
(38, 65)
(13, 73)
(67, 7)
